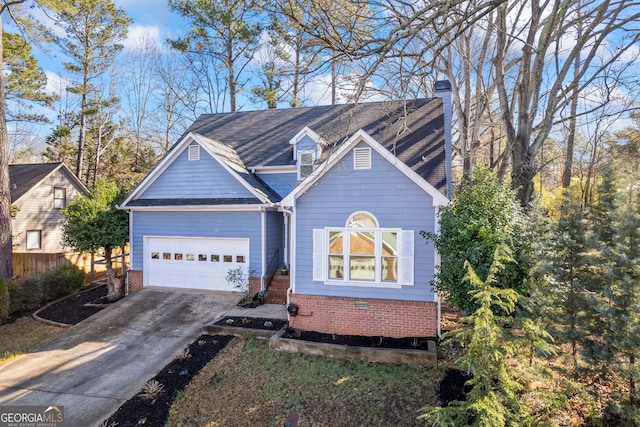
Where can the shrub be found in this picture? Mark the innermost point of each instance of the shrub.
(16, 297)
(4, 300)
(32, 292)
(484, 214)
(61, 281)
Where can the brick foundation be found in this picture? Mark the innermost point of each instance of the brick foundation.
(135, 280)
(362, 316)
(254, 285)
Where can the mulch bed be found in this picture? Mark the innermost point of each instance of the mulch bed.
(72, 310)
(418, 343)
(252, 323)
(141, 410)
(452, 386)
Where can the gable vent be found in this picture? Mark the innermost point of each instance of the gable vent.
(194, 152)
(362, 158)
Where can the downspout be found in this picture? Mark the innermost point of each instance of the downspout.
(286, 214)
(289, 248)
(438, 262)
(126, 274)
(263, 232)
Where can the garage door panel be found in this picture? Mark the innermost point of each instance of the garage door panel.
(192, 262)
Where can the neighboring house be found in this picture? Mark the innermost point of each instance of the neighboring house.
(338, 193)
(39, 191)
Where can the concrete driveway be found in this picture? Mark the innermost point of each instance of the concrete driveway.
(95, 366)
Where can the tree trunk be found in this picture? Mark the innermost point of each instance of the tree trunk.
(6, 266)
(81, 136)
(568, 160)
(114, 287)
(523, 170)
(632, 381)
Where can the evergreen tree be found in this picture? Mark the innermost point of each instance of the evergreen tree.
(484, 214)
(93, 33)
(612, 344)
(494, 399)
(561, 270)
(25, 80)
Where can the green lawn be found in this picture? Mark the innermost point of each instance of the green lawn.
(248, 385)
(22, 336)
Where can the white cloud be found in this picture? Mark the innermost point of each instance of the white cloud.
(317, 91)
(139, 33)
(56, 84)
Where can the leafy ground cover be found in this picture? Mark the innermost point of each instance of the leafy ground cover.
(247, 384)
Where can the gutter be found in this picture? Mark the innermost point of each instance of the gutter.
(288, 214)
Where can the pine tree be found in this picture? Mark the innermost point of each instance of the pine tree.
(494, 399)
(561, 268)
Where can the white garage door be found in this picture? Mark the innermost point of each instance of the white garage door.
(196, 263)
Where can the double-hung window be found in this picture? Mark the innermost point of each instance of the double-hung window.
(306, 160)
(59, 197)
(363, 254)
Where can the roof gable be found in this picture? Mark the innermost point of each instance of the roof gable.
(362, 137)
(24, 177)
(222, 155)
(413, 131)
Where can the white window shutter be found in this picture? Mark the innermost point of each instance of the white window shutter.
(318, 255)
(407, 258)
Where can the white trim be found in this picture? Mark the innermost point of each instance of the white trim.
(176, 151)
(266, 170)
(320, 269)
(263, 246)
(319, 255)
(131, 251)
(293, 235)
(356, 138)
(437, 259)
(192, 208)
(375, 220)
(314, 155)
(406, 260)
(258, 194)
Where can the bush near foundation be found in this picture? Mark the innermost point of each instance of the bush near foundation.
(33, 292)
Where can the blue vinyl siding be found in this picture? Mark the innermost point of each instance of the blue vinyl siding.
(391, 197)
(275, 237)
(282, 183)
(197, 224)
(306, 143)
(204, 178)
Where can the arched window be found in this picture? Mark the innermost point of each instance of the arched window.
(362, 219)
(362, 253)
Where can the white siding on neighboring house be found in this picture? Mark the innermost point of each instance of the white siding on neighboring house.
(36, 212)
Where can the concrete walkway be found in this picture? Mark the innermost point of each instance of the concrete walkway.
(96, 365)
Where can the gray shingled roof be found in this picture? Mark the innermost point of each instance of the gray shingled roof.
(413, 131)
(231, 158)
(23, 177)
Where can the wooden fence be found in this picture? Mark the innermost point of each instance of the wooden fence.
(34, 264)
